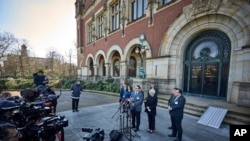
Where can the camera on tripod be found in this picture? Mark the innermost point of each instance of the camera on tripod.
(93, 134)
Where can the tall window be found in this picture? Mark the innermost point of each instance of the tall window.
(165, 1)
(116, 68)
(90, 35)
(138, 8)
(115, 16)
(100, 25)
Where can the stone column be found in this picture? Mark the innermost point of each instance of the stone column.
(107, 67)
(123, 70)
(95, 72)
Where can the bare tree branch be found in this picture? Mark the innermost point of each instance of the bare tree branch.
(7, 42)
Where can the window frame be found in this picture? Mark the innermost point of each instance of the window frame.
(90, 32)
(115, 14)
(100, 25)
(138, 9)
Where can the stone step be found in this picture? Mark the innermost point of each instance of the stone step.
(233, 122)
(232, 117)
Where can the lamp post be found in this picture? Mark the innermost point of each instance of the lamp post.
(141, 49)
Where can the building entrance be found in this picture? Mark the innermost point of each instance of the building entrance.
(207, 65)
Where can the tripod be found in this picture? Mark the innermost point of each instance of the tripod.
(120, 117)
(127, 124)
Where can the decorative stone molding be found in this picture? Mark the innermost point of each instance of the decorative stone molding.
(200, 6)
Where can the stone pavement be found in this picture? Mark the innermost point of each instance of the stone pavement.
(102, 111)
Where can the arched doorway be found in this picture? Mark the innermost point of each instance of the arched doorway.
(132, 66)
(206, 65)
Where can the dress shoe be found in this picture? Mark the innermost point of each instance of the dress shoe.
(77, 111)
(170, 127)
(136, 129)
(171, 135)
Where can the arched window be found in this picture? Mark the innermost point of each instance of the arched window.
(132, 67)
(116, 68)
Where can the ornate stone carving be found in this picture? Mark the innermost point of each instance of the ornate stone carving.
(200, 6)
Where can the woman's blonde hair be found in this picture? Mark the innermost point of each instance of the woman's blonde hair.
(151, 91)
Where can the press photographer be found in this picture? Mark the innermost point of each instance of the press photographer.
(33, 117)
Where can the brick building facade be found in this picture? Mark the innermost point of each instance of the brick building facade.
(202, 47)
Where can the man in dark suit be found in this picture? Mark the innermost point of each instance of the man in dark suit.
(176, 108)
(172, 97)
(136, 99)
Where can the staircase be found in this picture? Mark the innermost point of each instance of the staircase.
(196, 106)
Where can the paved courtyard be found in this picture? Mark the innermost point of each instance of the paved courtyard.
(102, 111)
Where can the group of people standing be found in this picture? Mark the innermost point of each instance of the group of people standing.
(136, 99)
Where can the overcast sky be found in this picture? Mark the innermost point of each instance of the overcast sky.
(46, 24)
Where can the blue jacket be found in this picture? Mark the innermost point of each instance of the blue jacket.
(122, 93)
(76, 90)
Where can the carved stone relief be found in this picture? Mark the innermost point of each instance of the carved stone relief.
(201, 6)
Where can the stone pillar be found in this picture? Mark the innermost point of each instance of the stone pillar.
(95, 72)
(244, 94)
(123, 70)
(107, 66)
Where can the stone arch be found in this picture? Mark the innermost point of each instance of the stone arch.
(90, 56)
(111, 51)
(98, 54)
(128, 48)
(100, 63)
(87, 63)
(182, 31)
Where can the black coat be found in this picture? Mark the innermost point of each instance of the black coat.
(151, 102)
(39, 80)
(76, 90)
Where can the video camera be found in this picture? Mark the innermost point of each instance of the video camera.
(94, 135)
(33, 119)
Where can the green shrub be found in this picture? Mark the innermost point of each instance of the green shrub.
(2, 85)
(57, 83)
(11, 84)
(89, 86)
(25, 83)
(68, 83)
(114, 88)
(110, 80)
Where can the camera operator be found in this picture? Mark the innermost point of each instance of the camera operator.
(40, 79)
(29, 95)
(52, 93)
(8, 132)
(5, 114)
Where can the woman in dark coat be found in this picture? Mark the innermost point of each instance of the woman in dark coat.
(150, 108)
